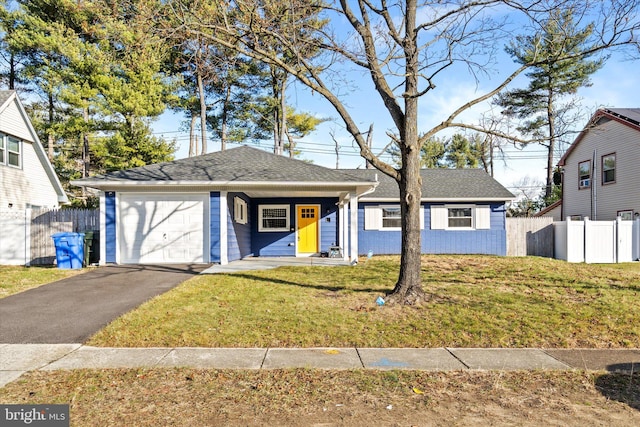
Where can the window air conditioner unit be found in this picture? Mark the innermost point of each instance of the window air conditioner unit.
(585, 182)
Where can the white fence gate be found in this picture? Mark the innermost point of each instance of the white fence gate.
(14, 237)
(597, 241)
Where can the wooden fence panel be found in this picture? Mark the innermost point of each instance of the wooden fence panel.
(530, 237)
(45, 223)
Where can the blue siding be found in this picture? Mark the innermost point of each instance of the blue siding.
(239, 235)
(284, 243)
(491, 242)
(214, 225)
(110, 226)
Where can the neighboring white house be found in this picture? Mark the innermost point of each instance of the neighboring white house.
(28, 179)
(601, 169)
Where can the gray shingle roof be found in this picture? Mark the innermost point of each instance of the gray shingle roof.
(631, 114)
(242, 164)
(5, 95)
(442, 184)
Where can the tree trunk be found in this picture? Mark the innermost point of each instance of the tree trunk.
(193, 144)
(203, 115)
(552, 143)
(408, 289)
(86, 157)
(225, 119)
(12, 71)
(279, 120)
(50, 138)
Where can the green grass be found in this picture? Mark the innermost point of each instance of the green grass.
(477, 301)
(15, 279)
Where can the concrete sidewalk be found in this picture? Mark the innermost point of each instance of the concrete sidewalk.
(16, 359)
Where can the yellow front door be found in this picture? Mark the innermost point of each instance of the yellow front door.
(307, 229)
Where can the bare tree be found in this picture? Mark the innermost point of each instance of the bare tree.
(404, 47)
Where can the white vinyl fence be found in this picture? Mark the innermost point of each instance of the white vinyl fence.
(25, 235)
(597, 241)
(14, 237)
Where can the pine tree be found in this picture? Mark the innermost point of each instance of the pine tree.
(564, 68)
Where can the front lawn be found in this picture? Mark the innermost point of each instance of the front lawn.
(15, 279)
(478, 301)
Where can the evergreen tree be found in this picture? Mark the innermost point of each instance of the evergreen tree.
(561, 53)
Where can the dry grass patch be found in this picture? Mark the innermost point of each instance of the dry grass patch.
(477, 301)
(15, 279)
(187, 397)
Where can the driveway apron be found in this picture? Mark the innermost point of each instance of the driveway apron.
(73, 309)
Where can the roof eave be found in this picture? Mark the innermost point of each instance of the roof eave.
(442, 199)
(583, 133)
(358, 187)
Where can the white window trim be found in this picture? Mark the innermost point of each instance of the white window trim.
(480, 217)
(261, 209)
(240, 210)
(373, 218)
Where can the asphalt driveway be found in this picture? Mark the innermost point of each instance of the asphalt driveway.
(73, 309)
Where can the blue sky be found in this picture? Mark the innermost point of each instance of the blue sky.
(615, 85)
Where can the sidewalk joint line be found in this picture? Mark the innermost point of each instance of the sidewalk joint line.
(266, 351)
(169, 350)
(59, 358)
(360, 357)
(457, 358)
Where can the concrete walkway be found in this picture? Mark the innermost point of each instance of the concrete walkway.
(267, 263)
(16, 359)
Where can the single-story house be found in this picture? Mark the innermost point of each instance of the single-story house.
(244, 201)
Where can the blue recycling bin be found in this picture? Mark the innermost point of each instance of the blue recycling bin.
(69, 249)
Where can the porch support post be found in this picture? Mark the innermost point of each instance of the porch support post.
(103, 230)
(224, 212)
(341, 227)
(353, 227)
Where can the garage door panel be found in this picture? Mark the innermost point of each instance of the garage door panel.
(162, 229)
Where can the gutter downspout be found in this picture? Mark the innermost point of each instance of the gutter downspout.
(594, 193)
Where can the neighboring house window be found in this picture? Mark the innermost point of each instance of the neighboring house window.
(584, 174)
(457, 217)
(386, 217)
(10, 151)
(13, 152)
(239, 210)
(609, 169)
(273, 218)
(626, 215)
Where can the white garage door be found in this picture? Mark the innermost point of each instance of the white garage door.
(162, 229)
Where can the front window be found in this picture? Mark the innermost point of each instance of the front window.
(273, 218)
(391, 217)
(626, 215)
(609, 169)
(584, 174)
(460, 217)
